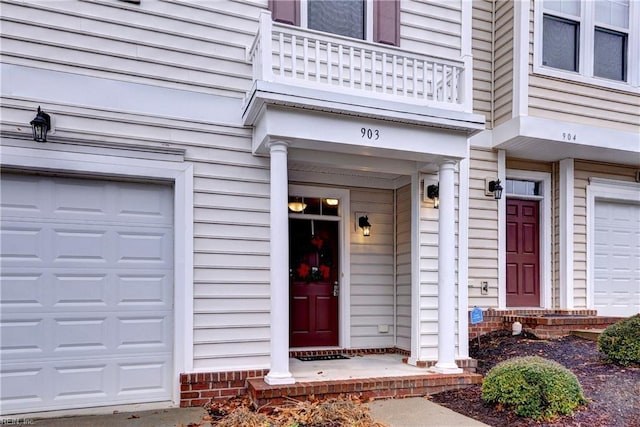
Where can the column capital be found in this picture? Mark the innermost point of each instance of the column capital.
(447, 163)
(277, 145)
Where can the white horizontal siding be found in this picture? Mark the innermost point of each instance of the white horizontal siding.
(372, 270)
(482, 46)
(403, 268)
(431, 27)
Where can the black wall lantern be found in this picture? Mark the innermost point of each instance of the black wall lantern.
(433, 192)
(496, 189)
(41, 124)
(363, 222)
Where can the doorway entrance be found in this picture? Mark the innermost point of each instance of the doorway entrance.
(523, 253)
(313, 281)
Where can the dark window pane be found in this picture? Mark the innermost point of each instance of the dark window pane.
(344, 17)
(560, 43)
(610, 55)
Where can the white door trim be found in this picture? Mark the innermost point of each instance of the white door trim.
(609, 190)
(544, 234)
(344, 299)
(181, 174)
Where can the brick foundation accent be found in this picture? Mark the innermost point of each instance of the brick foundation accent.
(369, 388)
(544, 324)
(199, 388)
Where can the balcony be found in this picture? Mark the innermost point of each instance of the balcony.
(311, 59)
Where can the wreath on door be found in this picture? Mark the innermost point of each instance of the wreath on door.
(315, 262)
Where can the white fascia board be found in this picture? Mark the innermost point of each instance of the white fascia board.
(312, 99)
(340, 133)
(557, 131)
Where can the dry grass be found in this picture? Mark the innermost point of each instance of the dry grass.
(343, 411)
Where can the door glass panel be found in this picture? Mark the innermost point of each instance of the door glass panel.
(521, 187)
(343, 17)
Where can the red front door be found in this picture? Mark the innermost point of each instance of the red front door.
(313, 266)
(523, 257)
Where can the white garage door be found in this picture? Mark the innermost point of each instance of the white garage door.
(86, 293)
(617, 259)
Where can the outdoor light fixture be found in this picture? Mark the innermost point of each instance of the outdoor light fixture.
(496, 189)
(433, 192)
(363, 222)
(331, 202)
(297, 205)
(41, 124)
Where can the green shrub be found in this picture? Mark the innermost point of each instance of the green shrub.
(620, 342)
(534, 387)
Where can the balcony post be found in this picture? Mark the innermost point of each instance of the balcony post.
(265, 49)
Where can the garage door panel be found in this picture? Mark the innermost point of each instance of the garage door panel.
(616, 258)
(86, 293)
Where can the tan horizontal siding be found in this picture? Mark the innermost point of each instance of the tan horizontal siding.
(482, 49)
(503, 66)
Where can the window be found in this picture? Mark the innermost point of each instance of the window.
(560, 43)
(372, 20)
(589, 40)
(344, 17)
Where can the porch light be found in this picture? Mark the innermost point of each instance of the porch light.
(363, 222)
(496, 189)
(297, 205)
(433, 192)
(41, 124)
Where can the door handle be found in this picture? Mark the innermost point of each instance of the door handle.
(336, 289)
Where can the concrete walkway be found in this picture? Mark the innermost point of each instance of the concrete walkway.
(410, 412)
(418, 412)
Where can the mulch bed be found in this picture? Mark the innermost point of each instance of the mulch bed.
(613, 391)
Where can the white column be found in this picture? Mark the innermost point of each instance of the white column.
(279, 373)
(566, 195)
(446, 272)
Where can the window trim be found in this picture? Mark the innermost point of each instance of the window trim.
(587, 24)
(368, 24)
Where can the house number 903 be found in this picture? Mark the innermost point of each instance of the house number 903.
(369, 133)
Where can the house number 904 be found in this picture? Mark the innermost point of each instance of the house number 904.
(566, 136)
(369, 133)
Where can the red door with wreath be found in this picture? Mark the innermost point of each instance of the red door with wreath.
(523, 253)
(313, 276)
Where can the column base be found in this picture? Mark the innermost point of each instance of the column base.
(446, 368)
(279, 378)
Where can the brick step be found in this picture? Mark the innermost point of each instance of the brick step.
(590, 334)
(367, 388)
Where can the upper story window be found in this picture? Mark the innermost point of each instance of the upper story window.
(594, 41)
(344, 17)
(372, 20)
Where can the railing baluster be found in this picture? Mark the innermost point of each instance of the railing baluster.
(281, 50)
(351, 68)
(363, 84)
(454, 85)
(384, 73)
(305, 58)
(374, 65)
(340, 64)
(294, 57)
(425, 88)
(434, 80)
(394, 74)
(317, 60)
(329, 65)
(415, 78)
(404, 76)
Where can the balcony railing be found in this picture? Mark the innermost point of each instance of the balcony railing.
(295, 56)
